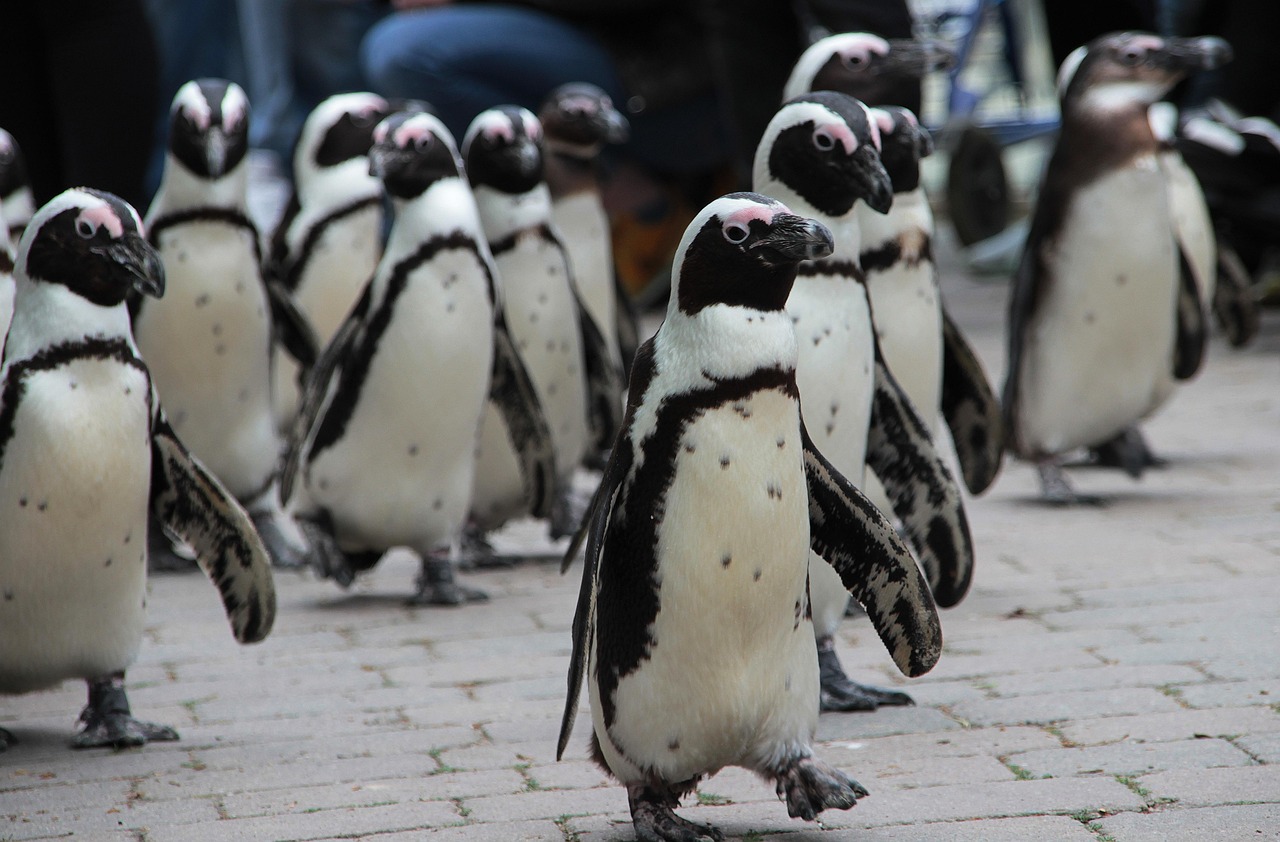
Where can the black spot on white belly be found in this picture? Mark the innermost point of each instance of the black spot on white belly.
(43, 505)
(243, 394)
(552, 388)
(107, 563)
(202, 300)
(782, 443)
(437, 504)
(182, 257)
(542, 298)
(673, 744)
(724, 461)
(775, 491)
(449, 308)
(324, 485)
(835, 407)
(755, 577)
(22, 502)
(220, 349)
(689, 448)
(413, 450)
(239, 286)
(1090, 318)
(8, 594)
(128, 537)
(217, 329)
(726, 560)
(533, 316)
(551, 345)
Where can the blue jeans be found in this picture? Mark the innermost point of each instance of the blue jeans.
(466, 58)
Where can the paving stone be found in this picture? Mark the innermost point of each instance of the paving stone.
(1056, 828)
(1264, 747)
(1179, 725)
(1094, 678)
(887, 721)
(1127, 758)
(1265, 691)
(322, 824)
(1059, 706)
(546, 805)
(1206, 824)
(535, 831)
(1210, 787)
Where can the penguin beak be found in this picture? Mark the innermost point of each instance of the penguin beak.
(1206, 53)
(794, 238)
(525, 159)
(215, 151)
(613, 127)
(869, 171)
(140, 261)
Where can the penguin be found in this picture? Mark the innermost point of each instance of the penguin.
(692, 628)
(864, 65)
(209, 341)
(818, 155)
(923, 347)
(577, 383)
(17, 201)
(383, 452)
(578, 120)
(328, 243)
(1105, 315)
(6, 278)
(86, 456)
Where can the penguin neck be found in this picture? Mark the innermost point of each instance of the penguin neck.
(180, 190)
(505, 214)
(571, 169)
(49, 314)
(340, 184)
(910, 212)
(725, 342)
(447, 205)
(1095, 140)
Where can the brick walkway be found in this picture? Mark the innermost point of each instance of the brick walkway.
(1113, 675)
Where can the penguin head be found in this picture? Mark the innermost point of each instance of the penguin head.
(209, 127)
(580, 118)
(903, 142)
(411, 151)
(743, 250)
(503, 149)
(864, 65)
(338, 130)
(13, 168)
(1124, 70)
(824, 149)
(92, 243)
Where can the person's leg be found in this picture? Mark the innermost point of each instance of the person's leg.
(464, 59)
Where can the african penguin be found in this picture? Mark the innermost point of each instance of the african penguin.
(863, 65)
(17, 202)
(328, 242)
(578, 120)
(86, 457)
(692, 627)
(1105, 314)
(819, 155)
(576, 382)
(384, 449)
(6, 279)
(208, 343)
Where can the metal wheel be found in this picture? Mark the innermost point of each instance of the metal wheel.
(977, 188)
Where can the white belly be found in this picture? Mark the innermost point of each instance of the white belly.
(1191, 222)
(1098, 354)
(342, 261)
(585, 227)
(732, 678)
(908, 316)
(401, 475)
(74, 489)
(499, 493)
(207, 343)
(544, 325)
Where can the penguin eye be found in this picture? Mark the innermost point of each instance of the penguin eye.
(423, 142)
(736, 233)
(85, 228)
(855, 61)
(824, 140)
(1131, 56)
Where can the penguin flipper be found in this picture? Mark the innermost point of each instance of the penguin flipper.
(874, 564)
(628, 326)
(190, 501)
(291, 328)
(595, 525)
(1192, 330)
(277, 265)
(925, 497)
(971, 410)
(511, 390)
(604, 381)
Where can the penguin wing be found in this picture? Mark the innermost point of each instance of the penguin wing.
(851, 535)
(290, 326)
(971, 410)
(628, 326)
(604, 380)
(1192, 330)
(925, 497)
(511, 391)
(188, 499)
(595, 525)
(277, 265)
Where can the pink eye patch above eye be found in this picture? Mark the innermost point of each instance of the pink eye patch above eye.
(102, 217)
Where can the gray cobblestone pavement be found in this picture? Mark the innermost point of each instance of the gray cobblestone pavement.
(1113, 675)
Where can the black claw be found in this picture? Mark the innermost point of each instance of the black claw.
(327, 560)
(810, 786)
(107, 721)
(436, 586)
(839, 693)
(654, 820)
(1127, 451)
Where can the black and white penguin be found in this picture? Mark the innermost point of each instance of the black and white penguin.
(6, 278)
(819, 155)
(208, 342)
(86, 457)
(384, 453)
(576, 381)
(692, 628)
(328, 243)
(579, 120)
(17, 201)
(863, 65)
(1106, 314)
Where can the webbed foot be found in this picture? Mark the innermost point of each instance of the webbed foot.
(1056, 491)
(810, 786)
(284, 549)
(655, 820)
(436, 585)
(327, 559)
(1128, 451)
(567, 513)
(107, 721)
(839, 693)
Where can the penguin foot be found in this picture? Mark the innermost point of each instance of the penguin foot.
(477, 553)
(567, 513)
(839, 693)
(286, 553)
(436, 586)
(166, 554)
(655, 820)
(1128, 451)
(7, 739)
(327, 560)
(1056, 491)
(810, 786)
(107, 722)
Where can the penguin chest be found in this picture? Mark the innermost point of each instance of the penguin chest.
(543, 319)
(74, 490)
(207, 343)
(582, 220)
(908, 321)
(731, 677)
(338, 264)
(1099, 348)
(403, 470)
(835, 372)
